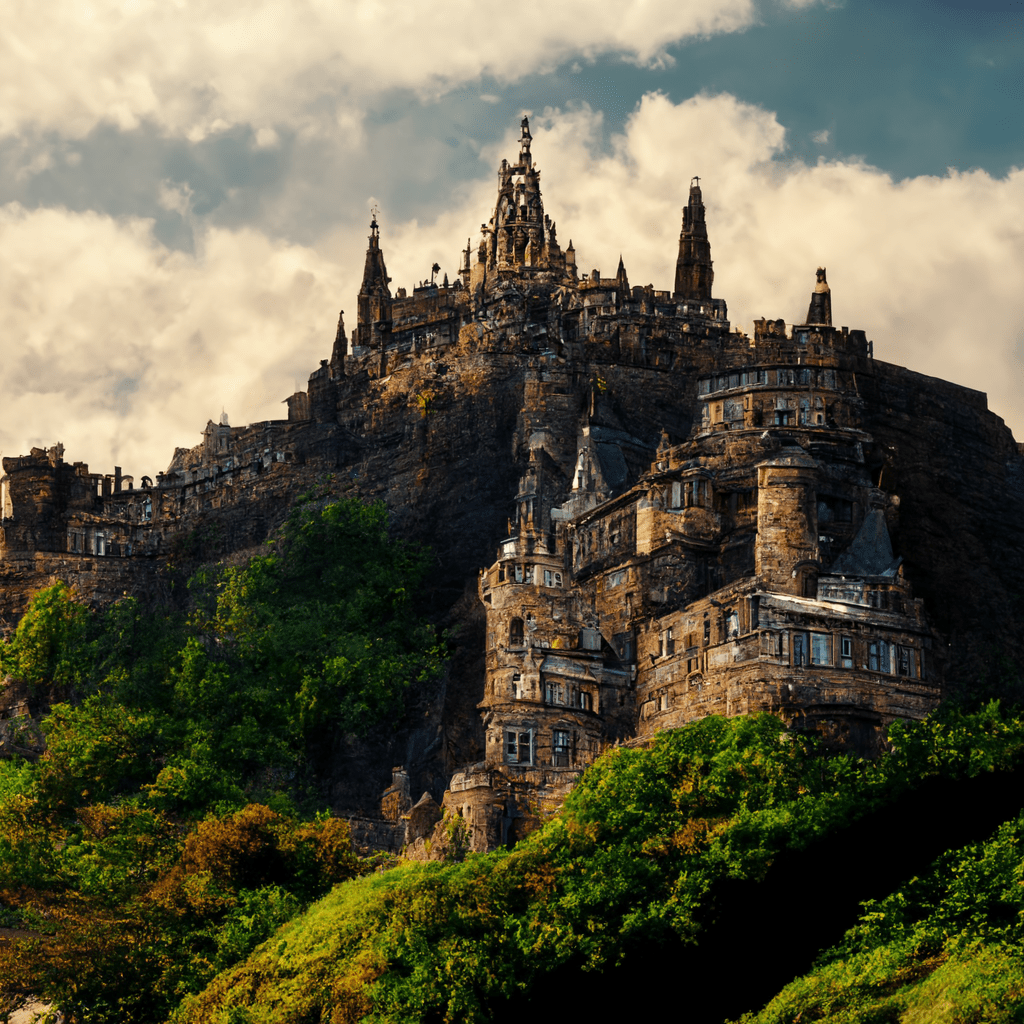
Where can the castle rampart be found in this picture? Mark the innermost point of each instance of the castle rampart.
(674, 518)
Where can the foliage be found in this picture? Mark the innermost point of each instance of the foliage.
(641, 847)
(46, 646)
(134, 848)
(321, 633)
(156, 884)
(946, 946)
(136, 909)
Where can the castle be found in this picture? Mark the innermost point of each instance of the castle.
(677, 519)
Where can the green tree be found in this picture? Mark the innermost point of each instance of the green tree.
(50, 645)
(321, 633)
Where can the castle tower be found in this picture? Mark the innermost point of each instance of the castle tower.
(786, 551)
(374, 302)
(693, 265)
(819, 313)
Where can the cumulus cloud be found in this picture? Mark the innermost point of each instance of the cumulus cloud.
(125, 349)
(199, 66)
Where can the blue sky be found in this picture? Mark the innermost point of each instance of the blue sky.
(184, 186)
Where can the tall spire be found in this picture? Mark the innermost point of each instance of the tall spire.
(374, 302)
(623, 280)
(340, 348)
(693, 265)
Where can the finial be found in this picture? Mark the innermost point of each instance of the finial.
(374, 213)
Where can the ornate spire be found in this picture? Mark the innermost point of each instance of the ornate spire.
(339, 350)
(374, 302)
(693, 265)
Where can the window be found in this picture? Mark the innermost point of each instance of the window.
(799, 648)
(560, 748)
(519, 574)
(586, 699)
(732, 623)
(668, 643)
(846, 651)
(623, 644)
(879, 656)
(501, 573)
(554, 693)
(548, 578)
(783, 418)
(707, 632)
(676, 497)
(101, 544)
(664, 701)
(558, 579)
(905, 662)
(515, 633)
(519, 746)
(821, 649)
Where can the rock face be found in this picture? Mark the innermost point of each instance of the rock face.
(677, 519)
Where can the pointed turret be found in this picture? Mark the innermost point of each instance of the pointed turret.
(570, 261)
(819, 313)
(693, 266)
(374, 304)
(340, 347)
(623, 281)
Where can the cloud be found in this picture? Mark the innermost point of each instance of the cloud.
(195, 67)
(125, 348)
(822, 137)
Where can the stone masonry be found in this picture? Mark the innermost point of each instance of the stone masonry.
(676, 519)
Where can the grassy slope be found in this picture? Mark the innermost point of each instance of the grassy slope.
(948, 945)
(645, 844)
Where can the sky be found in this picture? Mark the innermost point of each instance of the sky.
(185, 185)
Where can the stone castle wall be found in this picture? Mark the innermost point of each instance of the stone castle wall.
(638, 515)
